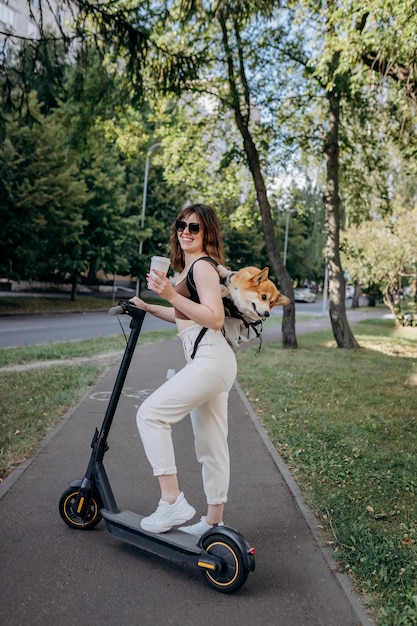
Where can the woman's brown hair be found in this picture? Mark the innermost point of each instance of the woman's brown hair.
(212, 236)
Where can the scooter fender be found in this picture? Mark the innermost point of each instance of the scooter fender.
(242, 544)
(85, 490)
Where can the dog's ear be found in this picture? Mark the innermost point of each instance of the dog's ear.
(261, 276)
(281, 300)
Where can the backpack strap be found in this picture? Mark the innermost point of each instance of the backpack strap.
(197, 341)
(190, 278)
(194, 297)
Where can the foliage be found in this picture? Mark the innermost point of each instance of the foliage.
(72, 184)
(31, 65)
(42, 201)
(265, 71)
(199, 151)
(381, 36)
(301, 209)
(104, 176)
(383, 253)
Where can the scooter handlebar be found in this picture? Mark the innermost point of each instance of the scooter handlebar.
(116, 310)
(126, 307)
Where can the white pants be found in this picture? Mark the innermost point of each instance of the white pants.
(201, 388)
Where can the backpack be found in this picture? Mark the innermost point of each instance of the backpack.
(237, 331)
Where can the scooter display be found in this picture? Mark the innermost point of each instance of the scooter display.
(222, 554)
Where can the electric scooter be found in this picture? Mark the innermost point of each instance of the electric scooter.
(223, 555)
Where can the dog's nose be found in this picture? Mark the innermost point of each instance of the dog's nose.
(266, 314)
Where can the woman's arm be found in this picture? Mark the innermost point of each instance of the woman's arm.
(210, 311)
(165, 313)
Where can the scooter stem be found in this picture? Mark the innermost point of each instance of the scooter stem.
(95, 473)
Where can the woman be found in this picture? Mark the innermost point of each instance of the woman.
(202, 387)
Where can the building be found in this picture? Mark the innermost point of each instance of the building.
(25, 19)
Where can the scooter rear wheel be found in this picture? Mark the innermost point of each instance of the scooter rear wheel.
(234, 572)
(66, 510)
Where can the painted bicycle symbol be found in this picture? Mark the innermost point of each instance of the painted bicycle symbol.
(128, 392)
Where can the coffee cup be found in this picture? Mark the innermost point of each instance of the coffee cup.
(160, 263)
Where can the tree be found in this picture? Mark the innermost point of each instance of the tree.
(337, 309)
(102, 142)
(324, 80)
(385, 41)
(382, 253)
(299, 214)
(41, 204)
(240, 101)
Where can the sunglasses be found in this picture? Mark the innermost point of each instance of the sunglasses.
(193, 228)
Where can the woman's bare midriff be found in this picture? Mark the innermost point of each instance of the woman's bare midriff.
(181, 324)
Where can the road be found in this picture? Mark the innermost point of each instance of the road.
(25, 330)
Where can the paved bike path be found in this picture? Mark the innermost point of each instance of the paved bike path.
(51, 574)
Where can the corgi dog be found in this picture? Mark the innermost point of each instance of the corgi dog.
(251, 291)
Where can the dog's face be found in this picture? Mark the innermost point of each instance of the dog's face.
(252, 292)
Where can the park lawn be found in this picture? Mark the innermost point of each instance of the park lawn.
(20, 305)
(345, 423)
(31, 404)
(61, 303)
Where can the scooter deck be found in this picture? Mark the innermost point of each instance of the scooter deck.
(126, 526)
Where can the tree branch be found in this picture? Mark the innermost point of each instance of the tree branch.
(398, 72)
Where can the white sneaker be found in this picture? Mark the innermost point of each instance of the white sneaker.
(168, 515)
(199, 528)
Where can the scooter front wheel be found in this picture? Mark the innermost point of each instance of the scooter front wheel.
(66, 510)
(234, 572)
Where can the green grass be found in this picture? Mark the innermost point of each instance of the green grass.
(20, 305)
(52, 304)
(32, 402)
(345, 422)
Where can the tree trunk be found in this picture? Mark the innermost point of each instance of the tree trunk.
(337, 308)
(356, 296)
(289, 339)
(73, 289)
(241, 101)
(92, 272)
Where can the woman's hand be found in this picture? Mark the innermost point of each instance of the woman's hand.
(141, 304)
(165, 313)
(160, 284)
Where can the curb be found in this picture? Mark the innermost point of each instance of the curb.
(343, 579)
